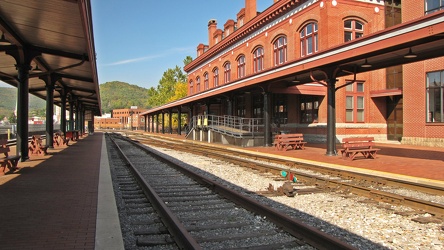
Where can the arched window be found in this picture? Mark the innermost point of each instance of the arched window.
(353, 29)
(280, 50)
(227, 72)
(241, 66)
(197, 84)
(191, 87)
(309, 39)
(258, 60)
(215, 77)
(206, 84)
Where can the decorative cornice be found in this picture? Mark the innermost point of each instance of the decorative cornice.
(272, 16)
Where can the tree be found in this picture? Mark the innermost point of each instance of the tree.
(12, 118)
(187, 60)
(170, 87)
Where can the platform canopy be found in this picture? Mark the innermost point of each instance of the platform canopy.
(54, 37)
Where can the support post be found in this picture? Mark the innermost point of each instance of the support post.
(179, 121)
(63, 112)
(267, 124)
(157, 123)
(71, 113)
(163, 123)
(170, 121)
(331, 117)
(50, 83)
(22, 110)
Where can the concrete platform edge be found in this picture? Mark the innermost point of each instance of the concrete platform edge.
(108, 232)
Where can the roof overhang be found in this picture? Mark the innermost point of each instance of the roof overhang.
(56, 35)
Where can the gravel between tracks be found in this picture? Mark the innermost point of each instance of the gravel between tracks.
(364, 225)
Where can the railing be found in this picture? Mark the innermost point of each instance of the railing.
(233, 125)
(10, 131)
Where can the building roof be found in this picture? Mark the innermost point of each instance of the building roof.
(57, 36)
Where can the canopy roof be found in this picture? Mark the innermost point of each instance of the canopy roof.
(57, 37)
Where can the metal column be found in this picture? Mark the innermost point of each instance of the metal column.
(331, 117)
(22, 110)
(267, 123)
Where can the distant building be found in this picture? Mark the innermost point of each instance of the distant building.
(130, 118)
(106, 122)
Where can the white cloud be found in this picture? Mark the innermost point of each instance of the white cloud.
(150, 57)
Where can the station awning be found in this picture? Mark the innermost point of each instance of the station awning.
(56, 36)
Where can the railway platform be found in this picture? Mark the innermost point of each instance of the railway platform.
(395, 159)
(64, 200)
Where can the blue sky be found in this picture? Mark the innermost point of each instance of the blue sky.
(137, 40)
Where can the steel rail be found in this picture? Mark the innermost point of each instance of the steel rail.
(362, 180)
(183, 238)
(311, 235)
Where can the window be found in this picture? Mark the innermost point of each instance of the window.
(198, 84)
(354, 102)
(206, 84)
(240, 106)
(191, 87)
(280, 50)
(433, 5)
(280, 114)
(309, 39)
(309, 108)
(353, 29)
(241, 66)
(435, 96)
(227, 72)
(258, 106)
(215, 77)
(258, 60)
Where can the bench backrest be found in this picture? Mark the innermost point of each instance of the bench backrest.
(4, 149)
(290, 136)
(358, 142)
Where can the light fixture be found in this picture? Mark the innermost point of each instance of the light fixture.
(410, 54)
(366, 64)
(37, 69)
(334, 3)
(296, 80)
(3, 40)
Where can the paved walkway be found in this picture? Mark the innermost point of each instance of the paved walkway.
(65, 200)
(52, 201)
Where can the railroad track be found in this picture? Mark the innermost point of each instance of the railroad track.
(377, 188)
(193, 212)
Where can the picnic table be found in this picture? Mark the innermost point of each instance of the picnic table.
(36, 146)
(286, 141)
(60, 140)
(7, 160)
(355, 145)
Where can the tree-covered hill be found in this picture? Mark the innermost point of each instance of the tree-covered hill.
(120, 95)
(8, 98)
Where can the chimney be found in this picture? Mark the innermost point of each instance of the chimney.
(212, 26)
(250, 10)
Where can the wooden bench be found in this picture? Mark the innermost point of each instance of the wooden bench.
(355, 145)
(36, 147)
(60, 140)
(6, 160)
(285, 141)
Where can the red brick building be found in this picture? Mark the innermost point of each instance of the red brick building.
(130, 118)
(249, 69)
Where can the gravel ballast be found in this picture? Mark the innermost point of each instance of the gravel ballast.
(360, 222)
